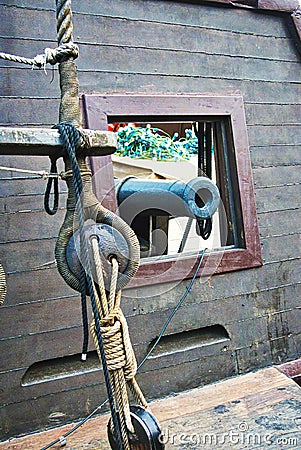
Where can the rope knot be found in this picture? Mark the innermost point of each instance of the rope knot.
(117, 345)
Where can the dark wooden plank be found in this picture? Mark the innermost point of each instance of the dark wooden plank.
(269, 135)
(49, 411)
(152, 11)
(43, 111)
(40, 346)
(149, 61)
(276, 176)
(181, 63)
(22, 203)
(29, 111)
(278, 198)
(14, 255)
(258, 91)
(276, 155)
(43, 4)
(35, 225)
(90, 373)
(41, 316)
(269, 114)
(279, 223)
(281, 247)
(234, 284)
(180, 37)
(25, 185)
(153, 35)
(36, 285)
(34, 316)
(230, 306)
(38, 85)
(83, 375)
(219, 305)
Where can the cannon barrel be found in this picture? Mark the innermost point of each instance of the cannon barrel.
(199, 198)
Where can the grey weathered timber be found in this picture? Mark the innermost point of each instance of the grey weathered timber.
(149, 47)
(45, 142)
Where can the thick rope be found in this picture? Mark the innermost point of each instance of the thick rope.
(50, 56)
(64, 21)
(118, 349)
(2, 285)
(69, 105)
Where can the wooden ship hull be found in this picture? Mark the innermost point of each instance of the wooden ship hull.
(239, 320)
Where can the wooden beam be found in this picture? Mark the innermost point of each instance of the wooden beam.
(47, 142)
(278, 5)
(296, 16)
(269, 5)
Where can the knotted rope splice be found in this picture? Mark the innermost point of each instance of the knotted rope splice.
(50, 56)
(2, 285)
(121, 361)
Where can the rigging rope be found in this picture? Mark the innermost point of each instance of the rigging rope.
(161, 334)
(50, 55)
(70, 137)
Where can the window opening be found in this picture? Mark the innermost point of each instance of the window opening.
(218, 122)
(205, 149)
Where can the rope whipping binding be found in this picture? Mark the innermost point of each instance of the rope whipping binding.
(2, 285)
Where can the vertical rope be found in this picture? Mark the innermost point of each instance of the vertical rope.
(69, 105)
(71, 137)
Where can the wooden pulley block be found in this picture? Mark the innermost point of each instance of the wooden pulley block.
(147, 436)
(111, 243)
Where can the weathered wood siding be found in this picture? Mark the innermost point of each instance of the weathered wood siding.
(149, 47)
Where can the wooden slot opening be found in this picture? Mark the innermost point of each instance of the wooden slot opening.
(188, 340)
(63, 367)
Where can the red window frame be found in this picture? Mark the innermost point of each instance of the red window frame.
(98, 108)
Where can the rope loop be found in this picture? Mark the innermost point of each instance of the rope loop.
(55, 182)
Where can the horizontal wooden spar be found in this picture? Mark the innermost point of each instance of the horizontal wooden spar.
(47, 142)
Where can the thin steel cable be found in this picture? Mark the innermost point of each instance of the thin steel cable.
(41, 173)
